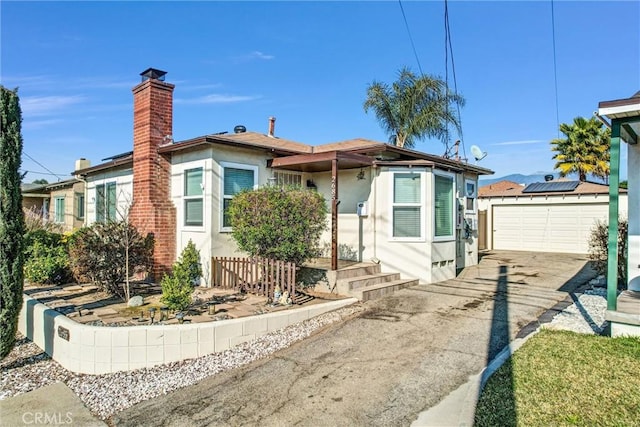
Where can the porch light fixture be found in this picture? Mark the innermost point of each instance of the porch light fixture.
(211, 308)
(360, 175)
(180, 317)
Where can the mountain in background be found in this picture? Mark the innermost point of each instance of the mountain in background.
(529, 179)
(519, 178)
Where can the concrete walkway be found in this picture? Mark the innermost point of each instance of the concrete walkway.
(389, 365)
(54, 404)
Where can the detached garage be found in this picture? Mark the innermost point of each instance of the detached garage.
(555, 216)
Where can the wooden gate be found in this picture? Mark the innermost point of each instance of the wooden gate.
(482, 230)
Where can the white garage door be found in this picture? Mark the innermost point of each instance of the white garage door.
(546, 228)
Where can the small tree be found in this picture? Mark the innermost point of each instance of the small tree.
(11, 219)
(599, 248)
(178, 287)
(190, 260)
(284, 224)
(100, 253)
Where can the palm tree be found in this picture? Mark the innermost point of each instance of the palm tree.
(414, 107)
(585, 150)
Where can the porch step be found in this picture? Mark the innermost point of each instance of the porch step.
(381, 289)
(352, 283)
(357, 270)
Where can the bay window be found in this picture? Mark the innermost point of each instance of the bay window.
(407, 205)
(235, 178)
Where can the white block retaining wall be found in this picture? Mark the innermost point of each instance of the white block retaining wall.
(103, 349)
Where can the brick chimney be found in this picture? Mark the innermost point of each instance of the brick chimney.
(152, 210)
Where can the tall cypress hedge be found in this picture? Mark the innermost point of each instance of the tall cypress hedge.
(11, 219)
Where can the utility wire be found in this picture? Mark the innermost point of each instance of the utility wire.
(42, 166)
(38, 173)
(413, 46)
(448, 50)
(555, 67)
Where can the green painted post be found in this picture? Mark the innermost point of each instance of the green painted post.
(614, 182)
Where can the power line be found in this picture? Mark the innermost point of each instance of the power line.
(448, 49)
(42, 166)
(555, 67)
(413, 46)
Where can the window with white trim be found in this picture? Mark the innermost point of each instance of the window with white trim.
(443, 195)
(193, 197)
(106, 202)
(470, 194)
(59, 210)
(407, 205)
(79, 198)
(235, 178)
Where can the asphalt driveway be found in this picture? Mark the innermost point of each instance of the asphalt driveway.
(402, 355)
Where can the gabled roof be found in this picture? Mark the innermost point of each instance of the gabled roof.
(512, 189)
(380, 153)
(243, 139)
(499, 187)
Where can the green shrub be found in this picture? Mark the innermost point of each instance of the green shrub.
(177, 288)
(47, 260)
(284, 224)
(190, 261)
(99, 253)
(599, 249)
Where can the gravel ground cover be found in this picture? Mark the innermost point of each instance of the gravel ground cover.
(28, 367)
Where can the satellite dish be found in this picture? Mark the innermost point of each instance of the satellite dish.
(478, 153)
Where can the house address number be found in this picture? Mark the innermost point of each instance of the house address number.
(63, 333)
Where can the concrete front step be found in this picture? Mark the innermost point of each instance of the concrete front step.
(362, 269)
(368, 280)
(381, 289)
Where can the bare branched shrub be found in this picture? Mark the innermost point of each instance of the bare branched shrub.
(33, 221)
(599, 248)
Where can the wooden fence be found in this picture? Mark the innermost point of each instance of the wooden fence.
(254, 275)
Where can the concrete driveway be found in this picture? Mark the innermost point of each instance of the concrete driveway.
(401, 356)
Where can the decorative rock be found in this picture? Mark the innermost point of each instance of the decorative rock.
(135, 301)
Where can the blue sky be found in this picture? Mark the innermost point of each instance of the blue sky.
(308, 64)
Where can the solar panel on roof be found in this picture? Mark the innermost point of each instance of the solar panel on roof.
(551, 187)
(118, 156)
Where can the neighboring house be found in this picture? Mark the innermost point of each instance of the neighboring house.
(412, 211)
(624, 310)
(552, 216)
(35, 198)
(62, 202)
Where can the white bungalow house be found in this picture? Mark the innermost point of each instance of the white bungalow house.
(413, 213)
(624, 310)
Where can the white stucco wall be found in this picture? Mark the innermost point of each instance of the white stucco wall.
(209, 238)
(355, 233)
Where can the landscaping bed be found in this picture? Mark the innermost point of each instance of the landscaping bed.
(85, 303)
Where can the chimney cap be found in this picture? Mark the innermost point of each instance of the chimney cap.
(153, 73)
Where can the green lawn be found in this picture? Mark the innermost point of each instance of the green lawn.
(562, 378)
